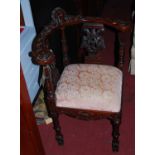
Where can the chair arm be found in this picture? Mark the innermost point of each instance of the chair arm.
(41, 53)
(117, 24)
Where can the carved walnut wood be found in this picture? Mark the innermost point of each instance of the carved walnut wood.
(44, 56)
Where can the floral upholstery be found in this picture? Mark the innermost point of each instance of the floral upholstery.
(90, 87)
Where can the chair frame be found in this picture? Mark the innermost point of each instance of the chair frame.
(42, 55)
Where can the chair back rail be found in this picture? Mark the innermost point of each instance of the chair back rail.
(43, 55)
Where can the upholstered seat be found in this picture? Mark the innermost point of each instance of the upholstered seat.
(90, 87)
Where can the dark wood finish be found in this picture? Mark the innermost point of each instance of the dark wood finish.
(44, 56)
(92, 38)
(115, 121)
(64, 48)
(50, 102)
(30, 141)
(87, 114)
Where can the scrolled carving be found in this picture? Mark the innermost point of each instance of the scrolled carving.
(43, 57)
(58, 16)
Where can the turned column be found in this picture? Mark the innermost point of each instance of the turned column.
(115, 121)
(49, 90)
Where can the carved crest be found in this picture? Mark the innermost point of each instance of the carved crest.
(58, 15)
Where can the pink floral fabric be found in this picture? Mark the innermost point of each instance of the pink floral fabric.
(90, 87)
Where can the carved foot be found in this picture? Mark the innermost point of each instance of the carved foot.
(115, 133)
(60, 139)
(115, 146)
(57, 128)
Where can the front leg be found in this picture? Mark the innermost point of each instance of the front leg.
(52, 112)
(49, 89)
(57, 128)
(115, 121)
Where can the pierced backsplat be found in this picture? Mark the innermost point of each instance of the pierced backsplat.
(92, 39)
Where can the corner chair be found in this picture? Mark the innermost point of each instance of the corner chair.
(83, 91)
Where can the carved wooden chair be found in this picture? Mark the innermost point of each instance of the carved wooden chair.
(84, 91)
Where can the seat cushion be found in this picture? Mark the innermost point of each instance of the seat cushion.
(90, 87)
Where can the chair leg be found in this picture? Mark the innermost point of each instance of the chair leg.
(49, 98)
(115, 121)
(57, 128)
(52, 112)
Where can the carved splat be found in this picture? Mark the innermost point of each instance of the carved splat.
(92, 37)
